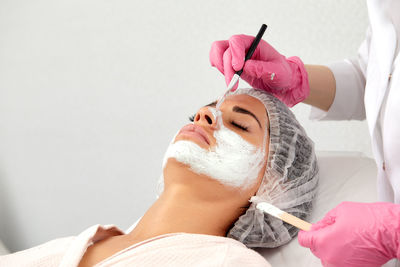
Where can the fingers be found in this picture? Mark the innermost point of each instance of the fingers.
(239, 44)
(258, 69)
(228, 56)
(217, 51)
(221, 58)
(228, 70)
(308, 238)
(272, 74)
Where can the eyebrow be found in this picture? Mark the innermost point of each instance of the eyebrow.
(212, 104)
(245, 111)
(239, 110)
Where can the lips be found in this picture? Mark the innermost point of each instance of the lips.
(195, 130)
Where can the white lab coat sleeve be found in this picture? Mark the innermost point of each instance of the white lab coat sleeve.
(350, 87)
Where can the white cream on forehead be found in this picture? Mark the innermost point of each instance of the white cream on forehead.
(233, 161)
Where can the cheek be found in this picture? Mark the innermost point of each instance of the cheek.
(252, 191)
(254, 138)
(264, 168)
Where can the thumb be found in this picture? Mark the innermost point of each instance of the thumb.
(306, 239)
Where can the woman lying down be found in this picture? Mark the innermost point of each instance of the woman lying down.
(215, 171)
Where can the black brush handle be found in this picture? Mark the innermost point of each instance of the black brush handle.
(253, 46)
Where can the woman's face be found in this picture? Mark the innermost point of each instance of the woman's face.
(226, 145)
(242, 114)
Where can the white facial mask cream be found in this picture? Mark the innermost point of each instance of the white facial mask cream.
(233, 161)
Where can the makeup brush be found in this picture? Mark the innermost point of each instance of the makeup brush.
(249, 54)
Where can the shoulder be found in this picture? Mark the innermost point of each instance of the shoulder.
(47, 254)
(240, 255)
(61, 250)
(227, 251)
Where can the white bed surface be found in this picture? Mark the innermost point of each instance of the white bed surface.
(343, 177)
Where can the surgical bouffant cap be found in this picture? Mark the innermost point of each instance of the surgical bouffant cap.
(290, 180)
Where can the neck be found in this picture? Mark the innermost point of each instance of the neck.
(173, 214)
(179, 209)
(190, 203)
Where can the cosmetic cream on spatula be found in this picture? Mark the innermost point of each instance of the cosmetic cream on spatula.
(284, 216)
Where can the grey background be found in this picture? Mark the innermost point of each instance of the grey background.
(91, 92)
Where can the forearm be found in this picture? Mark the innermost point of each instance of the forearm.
(322, 86)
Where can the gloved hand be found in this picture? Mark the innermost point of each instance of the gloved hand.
(355, 234)
(285, 78)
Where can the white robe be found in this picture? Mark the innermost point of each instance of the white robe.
(369, 87)
(175, 250)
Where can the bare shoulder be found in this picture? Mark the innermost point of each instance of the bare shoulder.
(52, 251)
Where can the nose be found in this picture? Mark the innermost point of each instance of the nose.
(205, 117)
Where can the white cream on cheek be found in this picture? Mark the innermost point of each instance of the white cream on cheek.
(233, 161)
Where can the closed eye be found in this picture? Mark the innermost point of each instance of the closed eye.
(241, 127)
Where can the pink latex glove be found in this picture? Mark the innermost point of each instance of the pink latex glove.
(285, 78)
(355, 234)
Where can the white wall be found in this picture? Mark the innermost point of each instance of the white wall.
(91, 92)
